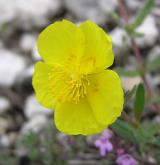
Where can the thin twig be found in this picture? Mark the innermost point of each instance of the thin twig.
(137, 53)
(123, 11)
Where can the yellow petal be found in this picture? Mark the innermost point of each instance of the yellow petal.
(59, 41)
(98, 53)
(105, 95)
(74, 119)
(41, 85)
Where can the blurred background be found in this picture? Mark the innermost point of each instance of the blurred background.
(27, 132)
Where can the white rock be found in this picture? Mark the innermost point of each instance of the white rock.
(28, 42)
(29, 71)
(28, 13)
(4, 141)
(95, 10)
(26, 75)
(154, 53)
(36, 56)
(7, 140)
(33, 108)
(150, 31)
(134, 5)
(7, 11)
(35, 124)
(4, 104)
(11, 65)
(108, 6)
(120, 38)
(129, 82)
(37, 11)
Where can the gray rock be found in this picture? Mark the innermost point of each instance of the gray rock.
(134, 5)
(95, 10)
(109, 6)
(154, 81)
(27, 42)
(28, 72)
(150, 31)
(33, 108)
(28, 13)
(10, 67)
(154, 53)
(36, 56)
(4, 141)
(157, 119)
(4, 105)
(7, 11)
(120, 39)
(7, 140)
(35, 124)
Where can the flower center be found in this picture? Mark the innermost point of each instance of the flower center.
(67, 84)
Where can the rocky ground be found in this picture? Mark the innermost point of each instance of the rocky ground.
(20, 23)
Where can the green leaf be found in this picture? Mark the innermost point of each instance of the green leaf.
(124, 130)
(156, 141)
(127, 73)
(6, 159)
(129, 94)
(139, 101)
(142, 14)
(135, 34)
(154, 64)
(146, 134)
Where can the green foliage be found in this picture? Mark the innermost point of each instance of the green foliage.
(125, 130)
(7, 160)
(143, 137)
(131, 28)
(135, 34)
(43, 147)
(31, 143)
(139, 101)
(141, 16)
(154, 64)
(128, 95)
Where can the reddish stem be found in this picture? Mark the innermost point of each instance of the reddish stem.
(122, 10)
(137, 53)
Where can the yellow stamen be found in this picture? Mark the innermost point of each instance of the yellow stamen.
(67, 85)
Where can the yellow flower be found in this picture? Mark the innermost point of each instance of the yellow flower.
(73, 80)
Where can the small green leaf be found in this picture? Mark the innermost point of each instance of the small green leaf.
(154, 64)
(6, 159)
(127, 73)
(143, 13)
(129, 94)
(156, 141)
(139, 101)
(135, 34)
(124, 130)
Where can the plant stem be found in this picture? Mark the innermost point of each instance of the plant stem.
(137, 53)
